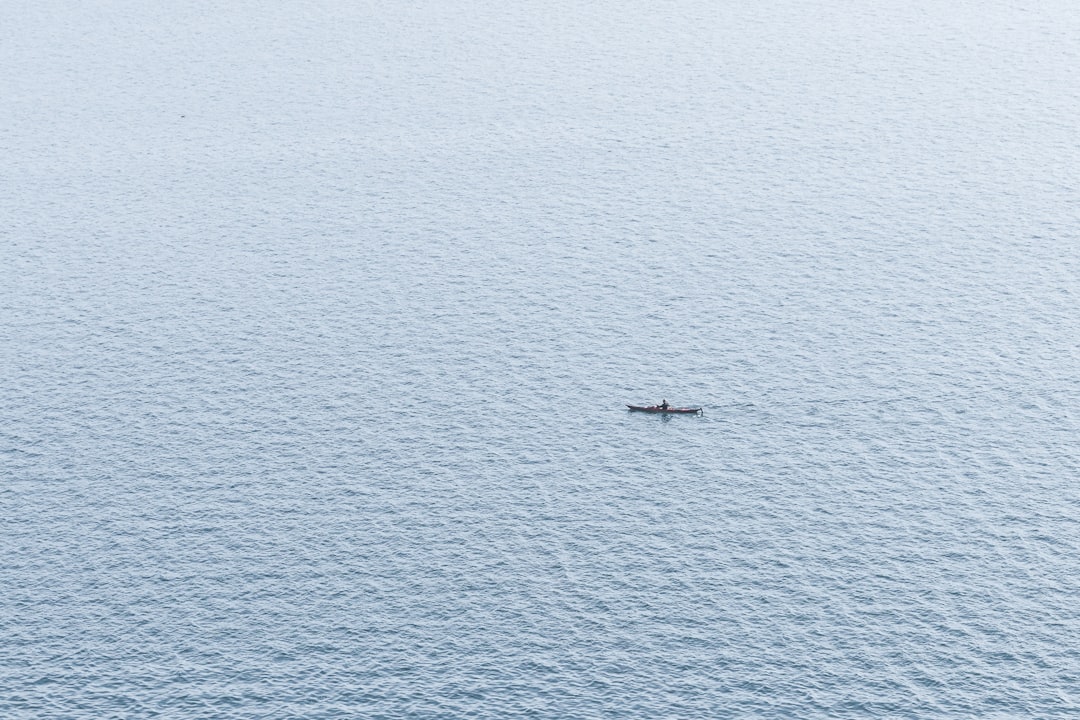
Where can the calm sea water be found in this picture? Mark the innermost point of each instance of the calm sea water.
(318, 319)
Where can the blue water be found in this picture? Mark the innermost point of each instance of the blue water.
(318, 319)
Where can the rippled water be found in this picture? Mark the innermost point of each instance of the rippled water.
(317, 321)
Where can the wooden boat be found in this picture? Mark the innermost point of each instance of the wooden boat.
(666, 411)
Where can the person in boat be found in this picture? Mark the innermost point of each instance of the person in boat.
(664, 405)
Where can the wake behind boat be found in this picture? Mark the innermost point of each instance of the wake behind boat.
(665, 409)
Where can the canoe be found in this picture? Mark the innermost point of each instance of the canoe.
(668, 411)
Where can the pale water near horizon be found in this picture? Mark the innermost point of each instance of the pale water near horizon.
(318, 322)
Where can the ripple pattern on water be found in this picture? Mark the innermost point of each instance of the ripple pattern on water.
(317, 323)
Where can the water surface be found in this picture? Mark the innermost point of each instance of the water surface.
(317, 323)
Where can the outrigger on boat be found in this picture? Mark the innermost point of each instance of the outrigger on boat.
(666, 409)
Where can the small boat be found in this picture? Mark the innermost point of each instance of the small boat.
(666, 411)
